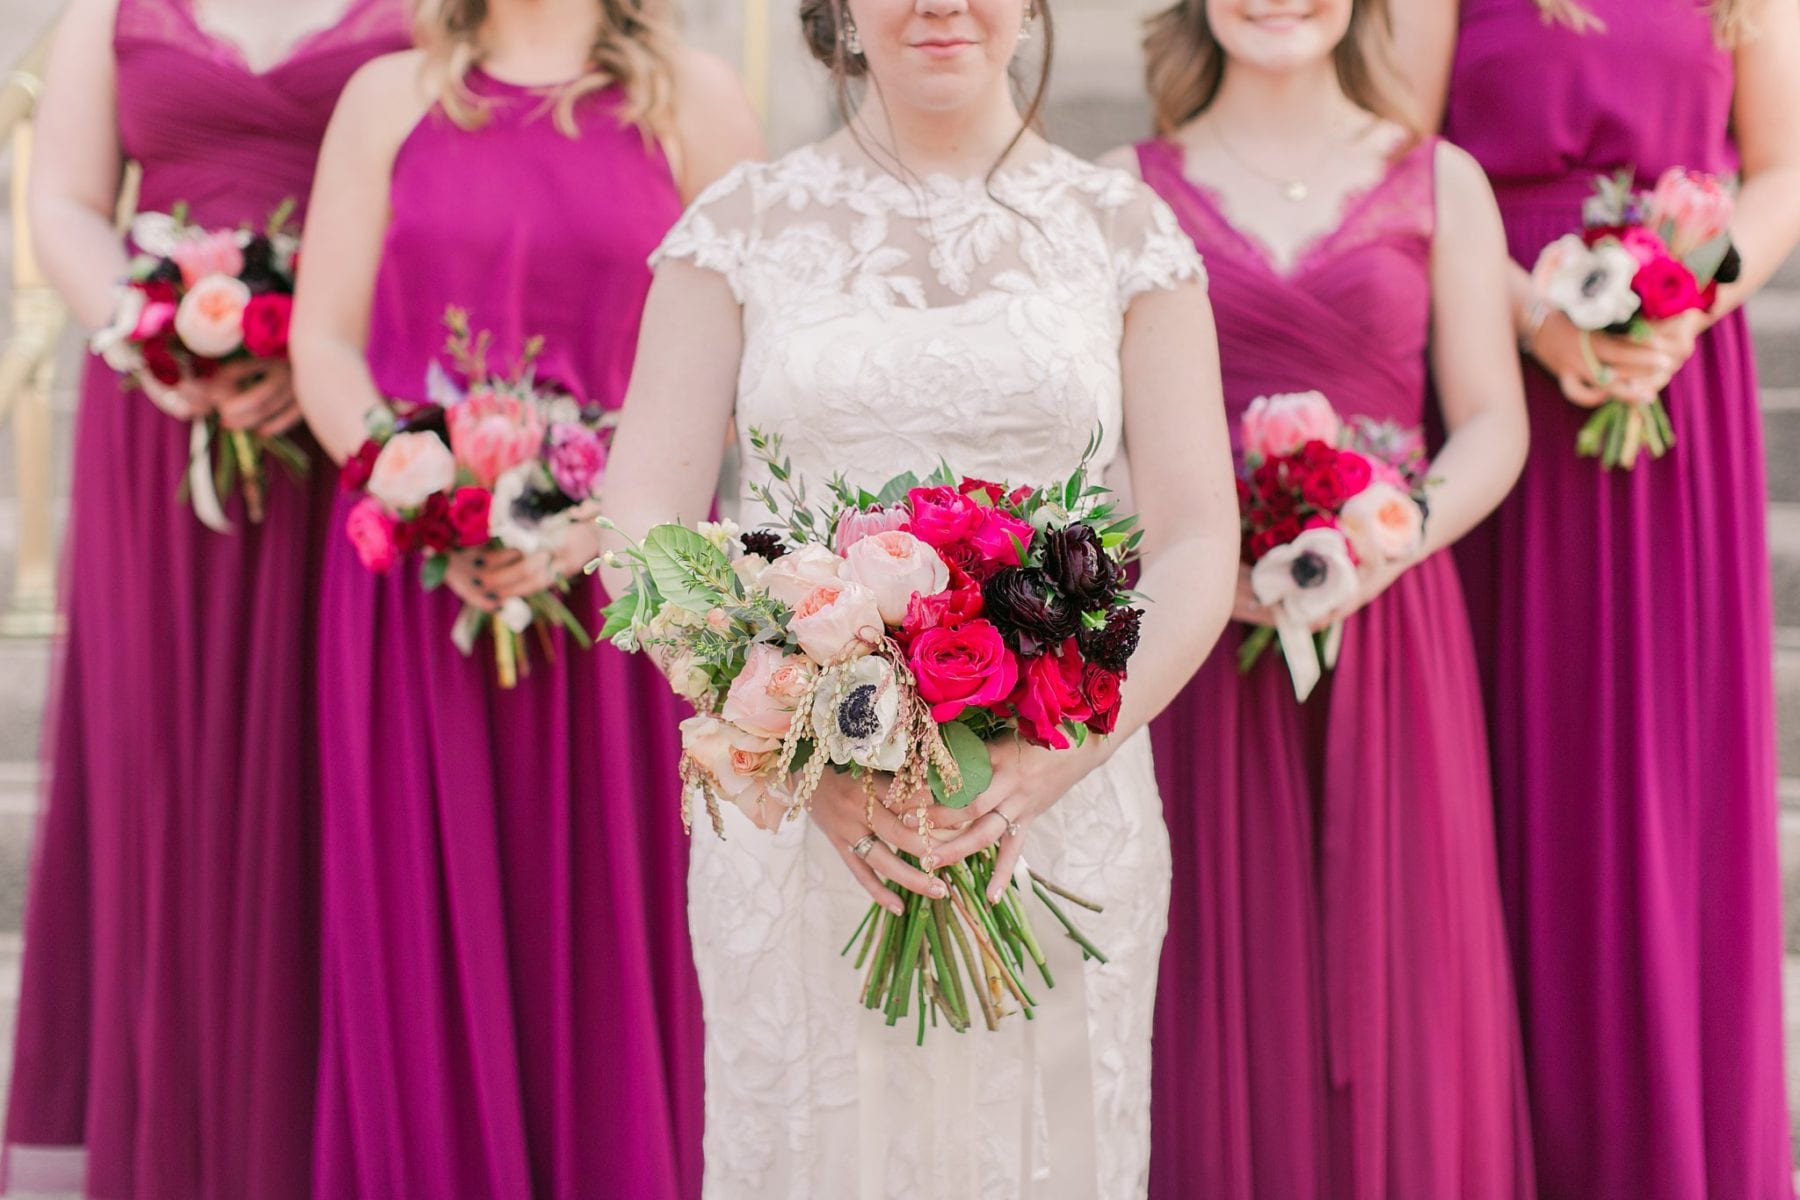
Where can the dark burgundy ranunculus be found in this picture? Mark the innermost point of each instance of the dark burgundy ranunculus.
(1029, 609)
(1075, 559)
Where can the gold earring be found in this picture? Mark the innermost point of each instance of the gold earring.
(852, 38)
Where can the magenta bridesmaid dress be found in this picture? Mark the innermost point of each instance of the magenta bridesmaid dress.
(168, 1020)
(510, 1002)
(1623, 626)
(1335, 1015)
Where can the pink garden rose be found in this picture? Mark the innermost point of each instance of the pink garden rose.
(943, 516)
(895, 566)
(962, 667)
(208, 254)
(577, 458)
(492, 433)
(210, 318)
(1278, 425)
(410, 468)
(855, 525)
(996, 537)
(371, 531)
(737, 763)
(837, 621)
(792, 577)
(1695, 204)
(763, 696)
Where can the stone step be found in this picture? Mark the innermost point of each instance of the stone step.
(1784, 563)
(1775, 324)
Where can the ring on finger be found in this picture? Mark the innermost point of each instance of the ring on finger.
(1013, 828)
(864, 845)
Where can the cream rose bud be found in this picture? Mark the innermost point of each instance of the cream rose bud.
(411, 467)
(737, 763)
(792, 577)
(210, 319)
(1312, 576)
(763, 696)
(894, 566)
(838, 619)
(1382, 522)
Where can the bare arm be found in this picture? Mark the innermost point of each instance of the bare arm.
(714, 124)
(1767, 222)
(1423, 48)
(78, 165)
(346, 222)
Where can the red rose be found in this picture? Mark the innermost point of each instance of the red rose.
(157, 291)
(981, 487)
(1260, 543)
(353, 476)
(942, 516)
(1667, 289)
(1266, 479)
(469, 515)
(1020, 495)
(160, 362)
(435, 531)
(1243, 494)
(1354, 472)
(1323, 488)
(1048, 694)
(1316, 455)
(955, 605)
(965, 667)
(1285, 530)
(1100, 688)
(967, 559)
(266, 320)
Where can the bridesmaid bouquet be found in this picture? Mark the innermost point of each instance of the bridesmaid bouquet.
(1640, 257)
(893, 634)
(502, 462)
(195, 299)
(1318, 495)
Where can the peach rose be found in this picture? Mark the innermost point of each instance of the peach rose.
(762, 698)
(792, 577)
(208, 254)
(210, 320)
(837, 620)
(410, 468)
(738, 764)
(1278, 425)
(1382, 522)
(895, 566)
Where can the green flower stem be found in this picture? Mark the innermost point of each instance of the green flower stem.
(864, 924)
(948, 973)
(1014, 902)
(1056, 911)
(900, 994)
(878, 969)
(1055, 888)
(977, 979)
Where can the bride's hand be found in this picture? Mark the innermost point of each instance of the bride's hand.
(841, 810)
(1027, 781)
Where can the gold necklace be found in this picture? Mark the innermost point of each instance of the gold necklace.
(1294, 189)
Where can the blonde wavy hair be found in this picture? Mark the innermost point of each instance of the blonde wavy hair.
(636, 48)
(1731, 18)
(1184, 63)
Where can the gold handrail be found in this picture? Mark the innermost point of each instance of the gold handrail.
(27, 370)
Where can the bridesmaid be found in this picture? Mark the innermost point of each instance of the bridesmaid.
(510, 1007)
(1335, 1015)
(167, 1031)
(1636, 777)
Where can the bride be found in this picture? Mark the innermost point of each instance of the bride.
(935, 282)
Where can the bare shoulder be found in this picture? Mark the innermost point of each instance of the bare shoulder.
(714, 123)
(703, 79)
(1463, 190)
(91, 19)
(393, 90)
(1122, 158)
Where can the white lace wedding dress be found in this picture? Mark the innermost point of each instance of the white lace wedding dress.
(886, 326)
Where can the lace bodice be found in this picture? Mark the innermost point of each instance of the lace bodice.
(889, 323)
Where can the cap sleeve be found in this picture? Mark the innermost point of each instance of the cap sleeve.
(717, 232)
(1150, 251)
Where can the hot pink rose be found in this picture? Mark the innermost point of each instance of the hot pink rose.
(1695, 206)
(942, 516)
(469, 512)
(1049, 693)
(855, 525)
(792, 577)
(1644, 244)
(266, 320)
(895, 566)
(208, 254)
(410, 468)
(490, 434)
(837, 621)
(210, 318)
(738, 763)
(763, 696)
(1278, 425)
(1000, 536)
(968, 666)
(371, 531)
(1667, 289)
(577, 458)
(153, 320)
(959, 602)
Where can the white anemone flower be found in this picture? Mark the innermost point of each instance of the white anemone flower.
(1310, 577)
(1589, 285)
(856, 715)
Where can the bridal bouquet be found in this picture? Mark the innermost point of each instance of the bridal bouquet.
(193, 300)
(1640, 257)
(891, 635)
(500, 461)
(1318, 495)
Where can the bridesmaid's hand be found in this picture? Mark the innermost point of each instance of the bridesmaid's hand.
(188, 400)
(255, 396)
(1634, 371)
(1028, 781)
(1372, 579)
(841, 810)
(487, 578)
(1677, 337)
(1245, 607)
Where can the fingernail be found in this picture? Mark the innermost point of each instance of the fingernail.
(939, 890)
(897, 908)
(910, 820)
(994, 895)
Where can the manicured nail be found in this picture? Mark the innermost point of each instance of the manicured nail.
(910, 820)
(480, 560)
(897, 908)
(939, 890)
(993, 895)
(492, 599)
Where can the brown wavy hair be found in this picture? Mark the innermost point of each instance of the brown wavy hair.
(823, 24)
(1731, 18)
(1184, 63)
(635, 48)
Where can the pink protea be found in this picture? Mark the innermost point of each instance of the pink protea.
(491, 433)
(1695, 204)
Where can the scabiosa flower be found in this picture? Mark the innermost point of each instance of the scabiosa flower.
(764, 542)
(1113, 646)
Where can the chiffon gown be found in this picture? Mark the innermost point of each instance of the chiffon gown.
(1623, 625)
(167, 1032)
(510, 1004)
(1335, 1017)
